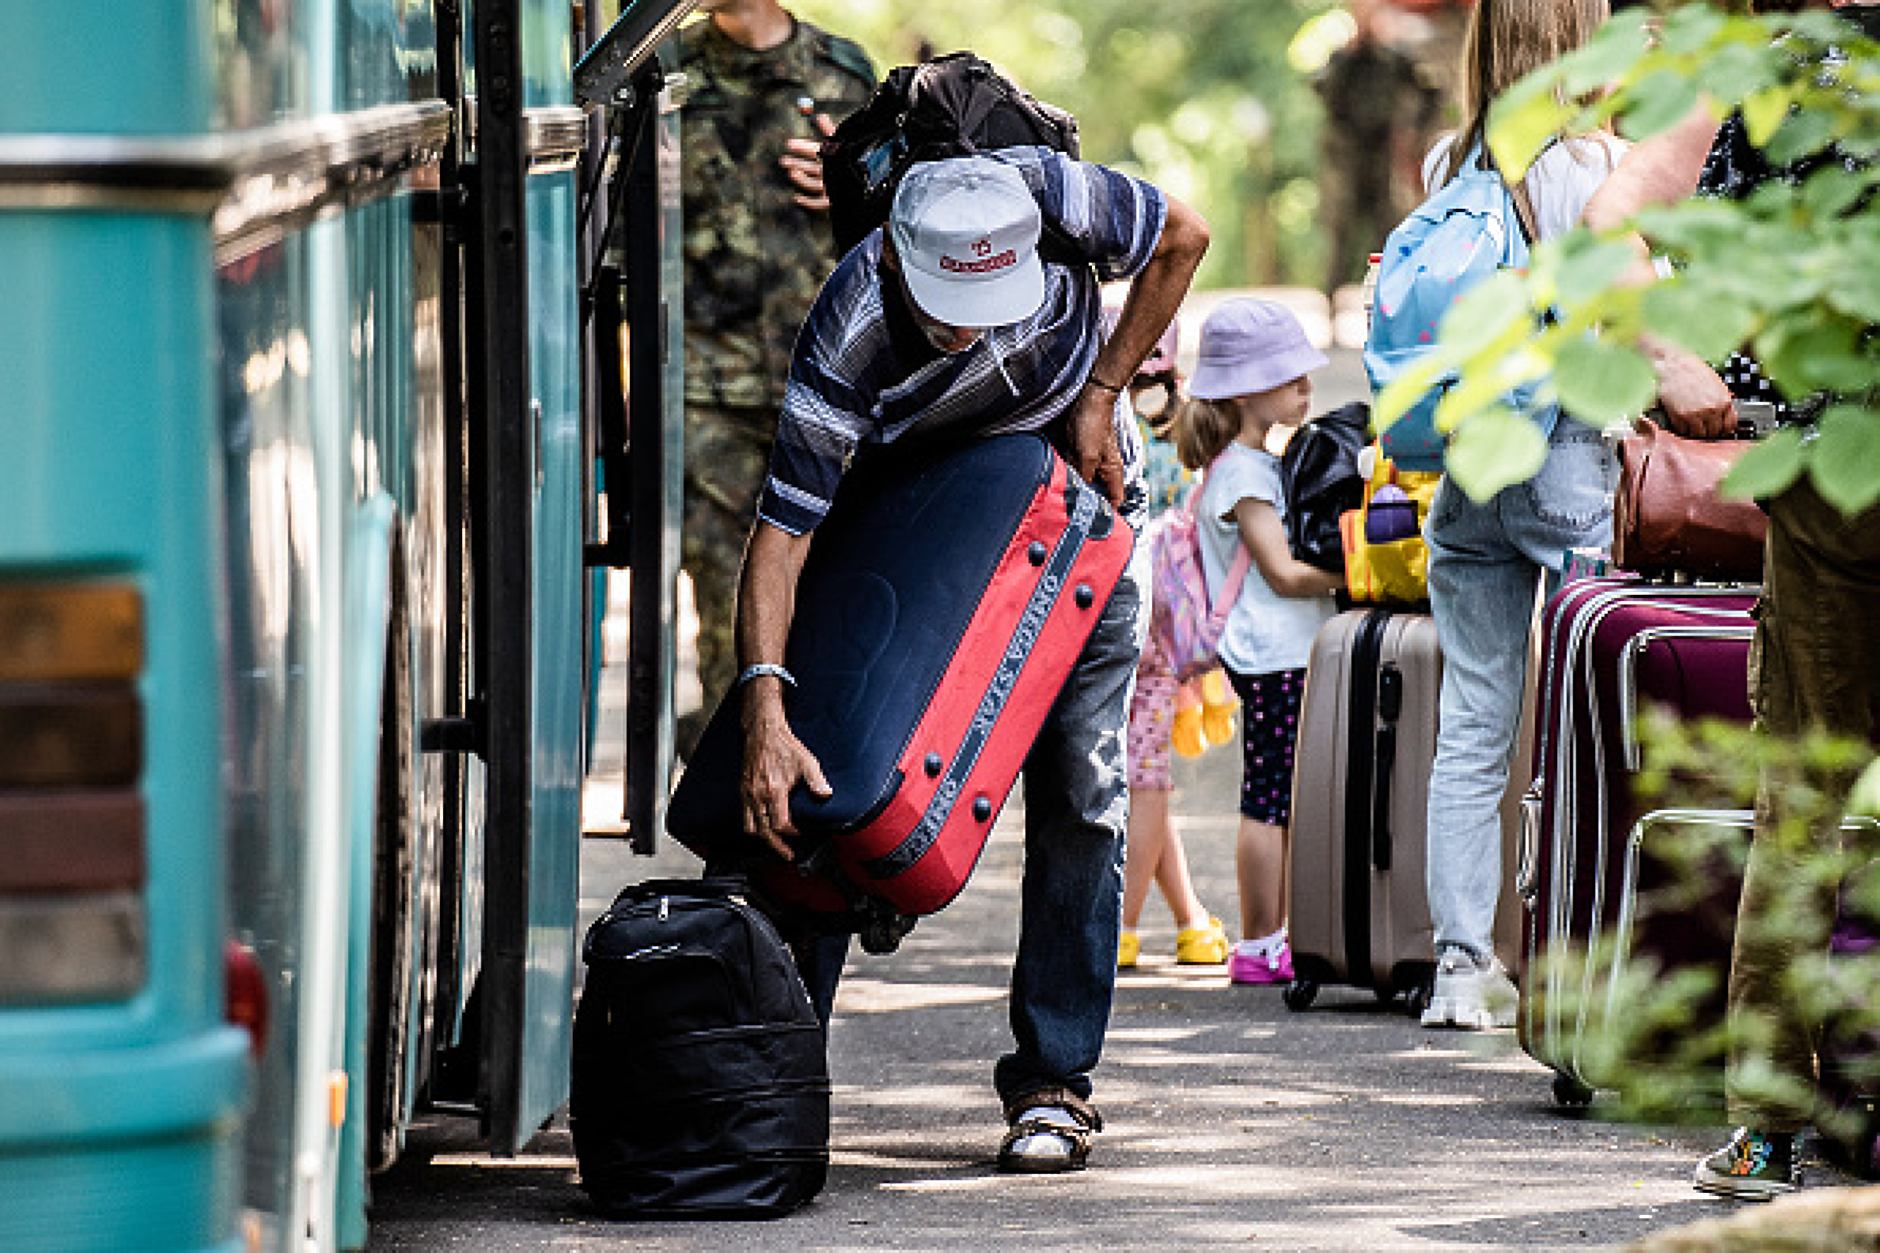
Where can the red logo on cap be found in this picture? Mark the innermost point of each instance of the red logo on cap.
(985, 265)
(983, 245)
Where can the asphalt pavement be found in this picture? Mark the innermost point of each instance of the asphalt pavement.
(1230, 1119)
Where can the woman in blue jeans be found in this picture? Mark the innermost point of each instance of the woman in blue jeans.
(1485, 563)
(1486, 559)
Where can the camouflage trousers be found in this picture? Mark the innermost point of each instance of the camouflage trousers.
(727, 455)
(1813, 668)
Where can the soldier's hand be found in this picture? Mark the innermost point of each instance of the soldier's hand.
(802, 165)
(1695, 401)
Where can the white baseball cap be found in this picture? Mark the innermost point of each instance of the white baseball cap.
(966, 231)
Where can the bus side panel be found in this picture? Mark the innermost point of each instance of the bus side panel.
(107, 471)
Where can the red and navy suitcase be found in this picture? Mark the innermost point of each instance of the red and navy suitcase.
(1614, 883)
(939, 613)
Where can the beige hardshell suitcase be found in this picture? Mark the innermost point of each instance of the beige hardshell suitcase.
(1367, 740)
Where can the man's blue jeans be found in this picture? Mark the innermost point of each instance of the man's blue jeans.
(1485, 564)
(1071, 901)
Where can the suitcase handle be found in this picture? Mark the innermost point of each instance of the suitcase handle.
(1389, 706)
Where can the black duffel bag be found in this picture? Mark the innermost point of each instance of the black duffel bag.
(700, 1084)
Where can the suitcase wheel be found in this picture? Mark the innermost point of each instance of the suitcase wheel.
(1570, 1093)
(1300, 994)
(1416, 1000)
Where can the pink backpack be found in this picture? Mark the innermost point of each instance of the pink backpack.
(1184, 624)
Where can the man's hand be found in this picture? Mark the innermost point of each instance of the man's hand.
(775, 761)
(802, 165)
(1695, 401)
(1093, 442)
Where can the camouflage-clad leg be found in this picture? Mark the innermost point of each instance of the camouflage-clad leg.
(727, 453)
(1809, 673)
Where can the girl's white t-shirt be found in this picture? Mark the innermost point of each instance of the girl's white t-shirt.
(1265, 632)
(1561, 180)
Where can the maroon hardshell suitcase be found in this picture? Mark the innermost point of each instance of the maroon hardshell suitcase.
(943, 604)
(1611, 895)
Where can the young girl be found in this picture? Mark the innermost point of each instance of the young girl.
(1154, 849)
(1252, 376)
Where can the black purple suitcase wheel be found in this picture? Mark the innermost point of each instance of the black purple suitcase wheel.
(1570, 1093)
(1417, 999)
(1300, 994)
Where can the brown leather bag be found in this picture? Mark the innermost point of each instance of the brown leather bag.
(1667, 518)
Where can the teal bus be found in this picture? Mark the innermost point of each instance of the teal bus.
(313, 380)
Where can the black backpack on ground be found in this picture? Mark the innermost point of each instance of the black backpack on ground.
(951, 106)
(1319, 480)
(700, 1084)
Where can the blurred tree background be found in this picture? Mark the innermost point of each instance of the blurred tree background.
(1210, 99)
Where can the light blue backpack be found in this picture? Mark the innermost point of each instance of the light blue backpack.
(1465, 231)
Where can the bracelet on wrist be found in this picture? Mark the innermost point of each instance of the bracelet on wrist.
(1112, 388)
(763, 668)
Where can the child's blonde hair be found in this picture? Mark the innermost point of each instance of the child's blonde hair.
(1202, 429)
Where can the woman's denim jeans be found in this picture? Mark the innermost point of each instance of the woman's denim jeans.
(1485, 564)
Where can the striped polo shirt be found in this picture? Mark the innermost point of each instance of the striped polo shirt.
(863, 373)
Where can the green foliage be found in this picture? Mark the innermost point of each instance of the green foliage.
(1201, 99)
(1792, 273)
(1659, 1037)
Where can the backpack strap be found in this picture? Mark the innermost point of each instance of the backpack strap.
(1236, 569)
(1524, 216)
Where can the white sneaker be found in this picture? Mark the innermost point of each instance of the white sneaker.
(1470, 994)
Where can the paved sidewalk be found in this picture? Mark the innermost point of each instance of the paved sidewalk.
(1231, 1121)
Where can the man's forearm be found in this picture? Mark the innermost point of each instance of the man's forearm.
(1154, 297)
(773, 561)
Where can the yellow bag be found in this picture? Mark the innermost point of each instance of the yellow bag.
(1396, 572)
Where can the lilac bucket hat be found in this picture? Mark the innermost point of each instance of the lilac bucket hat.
(1250, 345)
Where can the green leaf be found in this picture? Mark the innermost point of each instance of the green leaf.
(1833, 191)
(1846, 460)
(1658, 102)
(1768, 468)
(1688, 314)
(1603, 382)
(1521, 122)
(1865, 798)
(1486, 312)
(1802, 134)
(1763, 111)
(1593, 267)
(1735, 70)
(1403, 391)
(1494, 450)
(1812, 350)
(1691, 29)
(1608, 57)
(1856, 293)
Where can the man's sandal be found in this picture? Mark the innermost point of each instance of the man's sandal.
(1050, 1132)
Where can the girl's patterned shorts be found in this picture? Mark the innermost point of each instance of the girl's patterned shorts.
(1151, 716)
(1269, 720)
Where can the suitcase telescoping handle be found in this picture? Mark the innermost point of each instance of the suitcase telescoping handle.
(1389, 706)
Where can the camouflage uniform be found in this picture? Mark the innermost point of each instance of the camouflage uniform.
(754, 260)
